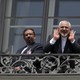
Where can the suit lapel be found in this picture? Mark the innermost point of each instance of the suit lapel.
(67, 47)
(58, 46)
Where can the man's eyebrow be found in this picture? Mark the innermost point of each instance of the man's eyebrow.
(64, 26)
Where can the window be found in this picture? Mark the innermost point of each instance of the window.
(64, 9)
(24, 14)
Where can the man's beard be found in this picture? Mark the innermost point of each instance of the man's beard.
(29, 41)
(64, 33)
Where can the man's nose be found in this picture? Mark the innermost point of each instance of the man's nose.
(28, 35)
(64, 28)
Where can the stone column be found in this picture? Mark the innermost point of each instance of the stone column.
(2, 19)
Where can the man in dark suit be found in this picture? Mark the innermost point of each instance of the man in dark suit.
(63, 41)
(29, 37)
(31, 46)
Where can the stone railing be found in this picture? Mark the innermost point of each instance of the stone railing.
(46, 63)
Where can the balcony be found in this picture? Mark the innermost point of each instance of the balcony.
(40, 67)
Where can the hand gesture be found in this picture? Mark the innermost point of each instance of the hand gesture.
(72, 35)
(56, 34)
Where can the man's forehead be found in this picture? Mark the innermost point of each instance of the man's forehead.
(64, 23)
(29, 31)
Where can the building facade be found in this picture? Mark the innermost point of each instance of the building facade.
(42, 15)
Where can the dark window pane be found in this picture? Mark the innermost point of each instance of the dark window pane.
(29, 8)
(29, 21)
(69, 8)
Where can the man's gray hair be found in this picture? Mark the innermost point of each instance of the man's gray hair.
(64, 21)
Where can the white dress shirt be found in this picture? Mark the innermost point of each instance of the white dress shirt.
(63, 43)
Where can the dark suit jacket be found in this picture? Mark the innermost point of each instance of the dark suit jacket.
(69, 49)
(79, 40)
(35, 48)
(56, 48)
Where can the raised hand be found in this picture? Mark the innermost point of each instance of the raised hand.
(56, 34)
(72, 35)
